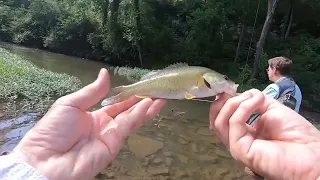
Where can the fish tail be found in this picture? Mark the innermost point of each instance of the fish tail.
(110, 100)
(113, 99)
(117, 90)
(117, 94)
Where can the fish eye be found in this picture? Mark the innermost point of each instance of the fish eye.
(225, 77)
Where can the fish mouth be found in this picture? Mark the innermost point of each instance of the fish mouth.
(235, 86)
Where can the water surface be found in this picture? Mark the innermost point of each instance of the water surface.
(169, 147)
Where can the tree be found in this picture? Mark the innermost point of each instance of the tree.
(138, 27)
(272, 4)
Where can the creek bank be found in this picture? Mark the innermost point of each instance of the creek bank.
(27, 92)
(27, 88)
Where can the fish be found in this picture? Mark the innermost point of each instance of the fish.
(178, 82)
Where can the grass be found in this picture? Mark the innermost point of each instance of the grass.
(132, 74)
(26, 88)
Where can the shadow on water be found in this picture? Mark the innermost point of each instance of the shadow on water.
(176, 145)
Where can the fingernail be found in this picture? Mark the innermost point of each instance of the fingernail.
(109, 131)
(100, 73)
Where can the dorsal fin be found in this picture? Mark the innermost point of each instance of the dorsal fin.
(163, 71)
(148, 75)
(176, 65)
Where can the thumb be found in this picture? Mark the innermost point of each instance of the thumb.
(90, 94)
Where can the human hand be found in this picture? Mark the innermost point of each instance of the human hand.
(281, 145)
(71, 143)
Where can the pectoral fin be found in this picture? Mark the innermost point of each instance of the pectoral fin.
(142, 97)
(203, 83)
(189, 96)
(200, 83)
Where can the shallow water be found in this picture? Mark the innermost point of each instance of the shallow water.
(12, 130)
(169, 147)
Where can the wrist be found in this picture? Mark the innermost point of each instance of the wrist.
(30, 159)
(26, 157)
(14, 167)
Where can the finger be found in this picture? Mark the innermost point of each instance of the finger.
(121, 127)
(115, 109)
(153, 110)
(221, 124)
(161, 101)
(217, 104)
(113, 137)
(215, 109)
(90, 94)
(126, 125)
(239, 134)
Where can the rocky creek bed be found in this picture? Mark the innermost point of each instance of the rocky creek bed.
(166, 150)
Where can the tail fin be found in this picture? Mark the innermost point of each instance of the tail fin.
(116, 95)
(111, 100)
(116, 90)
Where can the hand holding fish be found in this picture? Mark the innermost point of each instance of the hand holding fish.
(71, 143)
(281, 145)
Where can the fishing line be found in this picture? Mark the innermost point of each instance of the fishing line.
(254, 25)
(203, 100)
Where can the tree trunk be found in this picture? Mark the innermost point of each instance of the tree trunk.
(272, 4)
(138, 26)
(239, 43)
(291, 19)
(114, 10)
(105, 10)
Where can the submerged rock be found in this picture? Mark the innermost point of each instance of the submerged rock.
(183, 158)
(182, 141)
(157, 160)
(158, 171)
(184, 137)
(220, 172)
(168, 161)
(194, 148)
(167, 153)
(223, 153)
(143, 146)
(180, 174)
(207, 158)
(205, 131)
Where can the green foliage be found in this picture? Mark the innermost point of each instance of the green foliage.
(5, 20)
(207, 32)
(32, 26)
(27, 88)
(132, 74)
(70, 36)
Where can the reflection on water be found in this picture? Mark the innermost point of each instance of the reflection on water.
(176, 145)
(12, 130)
